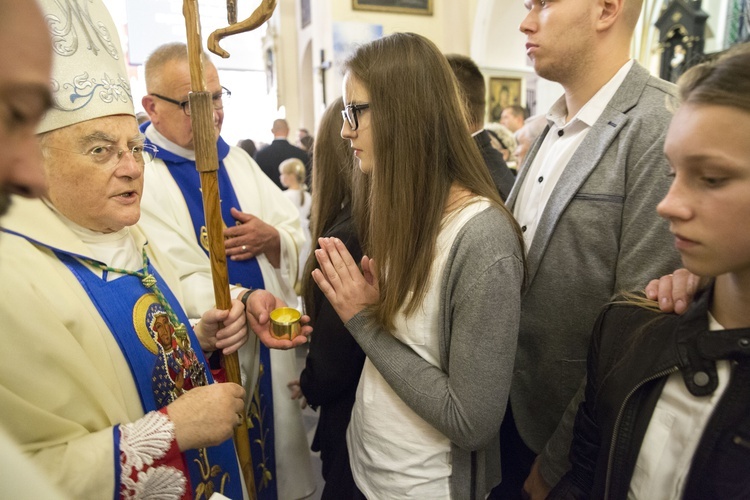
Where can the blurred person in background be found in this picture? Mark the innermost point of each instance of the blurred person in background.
(249, 146)
(292, 176)
(25, 56)
(270, 157)
(526, 135)
(471, 83)
(513, 117)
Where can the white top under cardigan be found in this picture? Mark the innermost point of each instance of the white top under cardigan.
(673, 434)
(303, 201)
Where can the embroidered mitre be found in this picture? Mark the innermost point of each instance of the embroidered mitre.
(89, 74)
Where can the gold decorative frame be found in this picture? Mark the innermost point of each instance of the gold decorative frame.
(420, 7)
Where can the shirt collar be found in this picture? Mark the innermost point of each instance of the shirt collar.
(169, 151)
(159, 140)
(593, 109)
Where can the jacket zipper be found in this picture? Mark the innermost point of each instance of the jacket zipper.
(611, 458)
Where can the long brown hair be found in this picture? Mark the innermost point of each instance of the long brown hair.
(333, 165)
(422, 146)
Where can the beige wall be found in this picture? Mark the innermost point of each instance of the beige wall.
(299, 49)
(447, 27)
(486, 30)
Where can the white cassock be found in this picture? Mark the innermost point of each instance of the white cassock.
(167, 223)
(65, 382)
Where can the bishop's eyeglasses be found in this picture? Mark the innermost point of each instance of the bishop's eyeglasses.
(351, 113)
(109, 155)
(218, 100)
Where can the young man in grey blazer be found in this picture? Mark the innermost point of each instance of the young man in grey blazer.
(586, 201)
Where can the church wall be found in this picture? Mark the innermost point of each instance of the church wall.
(486, 30)
(449, 27)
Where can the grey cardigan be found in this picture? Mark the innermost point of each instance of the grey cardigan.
(465, 397)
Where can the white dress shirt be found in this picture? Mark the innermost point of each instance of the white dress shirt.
(673, 435)
(555, 153)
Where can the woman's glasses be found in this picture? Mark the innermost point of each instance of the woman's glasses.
(351, 112)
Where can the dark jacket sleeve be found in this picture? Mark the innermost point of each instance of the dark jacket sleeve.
(501, 175)
(334, 361)
(585, 448)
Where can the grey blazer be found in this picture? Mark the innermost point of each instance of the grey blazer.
(598, 235)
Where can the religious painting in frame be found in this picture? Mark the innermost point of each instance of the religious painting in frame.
(421, 7)
(503, 92)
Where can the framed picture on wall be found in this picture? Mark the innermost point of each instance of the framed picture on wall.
(503, 92)
(422, 7)
(305, 14)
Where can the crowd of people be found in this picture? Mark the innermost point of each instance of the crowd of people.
(474, 332)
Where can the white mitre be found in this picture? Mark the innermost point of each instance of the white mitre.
(89, 75)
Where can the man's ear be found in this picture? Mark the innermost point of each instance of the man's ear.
(149, 106)
(609, 12)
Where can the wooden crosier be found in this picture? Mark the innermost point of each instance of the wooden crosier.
(207, 163)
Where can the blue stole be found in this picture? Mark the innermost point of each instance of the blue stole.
(183, 171)
(246, 273)
(137, 320)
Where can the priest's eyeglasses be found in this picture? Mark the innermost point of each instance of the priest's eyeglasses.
(109, 156)
(218, 100)
(351, 113)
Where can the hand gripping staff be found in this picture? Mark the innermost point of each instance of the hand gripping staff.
(207, 163)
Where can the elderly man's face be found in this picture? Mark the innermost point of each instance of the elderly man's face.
(98, 195)
(167, 117)
(523, 143)
(26, 61)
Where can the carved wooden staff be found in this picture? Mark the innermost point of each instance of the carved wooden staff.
(207, 163)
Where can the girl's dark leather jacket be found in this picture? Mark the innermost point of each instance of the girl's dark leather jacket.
(633, 351)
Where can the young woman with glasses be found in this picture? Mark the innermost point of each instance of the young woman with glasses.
(436, 307)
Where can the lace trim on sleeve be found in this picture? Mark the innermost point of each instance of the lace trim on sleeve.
(142, 443)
